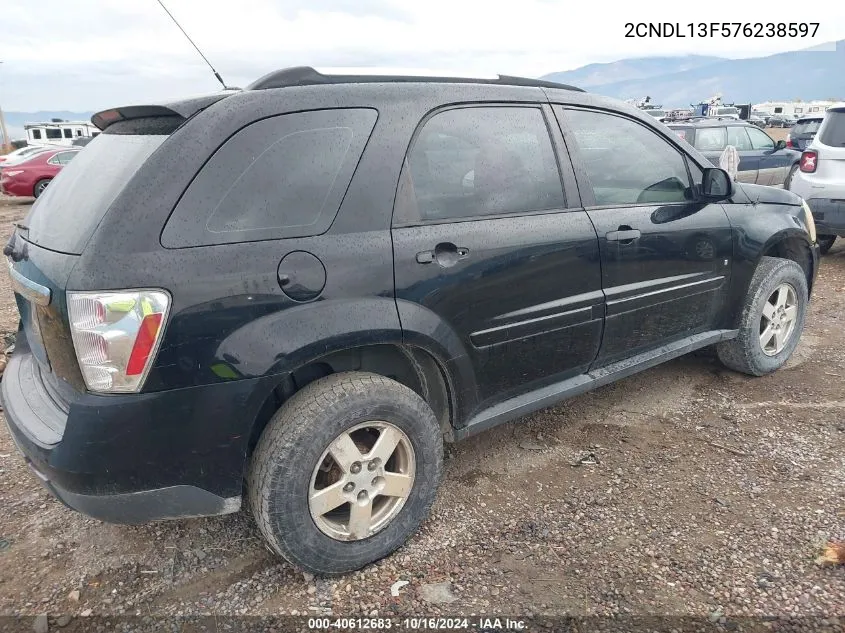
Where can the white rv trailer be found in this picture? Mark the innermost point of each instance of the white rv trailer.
(58, 132)
(798, 109)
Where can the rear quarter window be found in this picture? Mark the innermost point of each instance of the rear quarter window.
(832, 132)
(278, 178)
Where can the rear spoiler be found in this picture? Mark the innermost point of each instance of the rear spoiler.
(183, 109)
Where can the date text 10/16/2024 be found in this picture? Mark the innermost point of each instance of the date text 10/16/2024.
(721, 29)
(481, 624)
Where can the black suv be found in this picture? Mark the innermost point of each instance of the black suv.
(762, 160)
(295, 292)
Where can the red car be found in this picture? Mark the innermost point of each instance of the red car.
(32, 176)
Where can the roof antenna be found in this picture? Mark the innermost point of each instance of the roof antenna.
(216, 74)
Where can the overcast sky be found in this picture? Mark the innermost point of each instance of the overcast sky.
(85, 55)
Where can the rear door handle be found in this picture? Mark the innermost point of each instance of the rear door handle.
(446, 254)
(626, 235)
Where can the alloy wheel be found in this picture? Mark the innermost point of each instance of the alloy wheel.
(777, 323)
(362, 481)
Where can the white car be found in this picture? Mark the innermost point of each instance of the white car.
(820, 179)
(20, 155)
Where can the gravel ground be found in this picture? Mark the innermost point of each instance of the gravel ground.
(711, 494)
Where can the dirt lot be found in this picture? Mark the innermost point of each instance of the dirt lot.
(712, 494)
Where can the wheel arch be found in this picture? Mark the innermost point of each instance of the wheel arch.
(416, 368)
(793, 245)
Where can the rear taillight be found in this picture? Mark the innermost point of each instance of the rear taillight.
(116, 336)
(809, 161)
(789, 141)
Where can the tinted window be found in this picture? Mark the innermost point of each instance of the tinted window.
(280, 177)
(807, 126)
(471, 162)
(738, 138)
(65, 157)
(65, 216)
(683, 132)
(710, 139)
(36, 134)
(833, 130)
(759, 139)
(68, 133)
(626, 162)
(53, 133)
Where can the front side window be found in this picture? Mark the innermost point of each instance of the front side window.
(759, 139)
(36, 134)
(626, 162)
(738, 138)
(277, 178)
(479, 161)
(711, 139)
(68, 133)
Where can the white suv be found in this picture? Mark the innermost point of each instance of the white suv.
(820, 179)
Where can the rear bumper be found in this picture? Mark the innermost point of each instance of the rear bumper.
(134, 458)
(829, 215)
(15, 188)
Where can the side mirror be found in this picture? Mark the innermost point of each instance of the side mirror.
(716, 184)
(780, 145)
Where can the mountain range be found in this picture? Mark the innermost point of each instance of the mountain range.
(680, 81)
(669, 81)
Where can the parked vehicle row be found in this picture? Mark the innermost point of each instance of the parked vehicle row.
(440, 257)
(821, 177)
(30, 174)
(762, 160)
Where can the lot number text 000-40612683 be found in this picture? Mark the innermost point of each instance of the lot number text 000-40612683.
(721, 29)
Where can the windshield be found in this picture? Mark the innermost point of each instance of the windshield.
(808, 127)
(66, 215)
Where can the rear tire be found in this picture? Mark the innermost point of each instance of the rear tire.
(825, 243)
(748, 353)
(39, 187)
(300, 455)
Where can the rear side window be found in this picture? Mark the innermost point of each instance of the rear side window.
(738, 137)
(278, 178)
(65, 216)
(833, 128)
(683, 132)
(480, 161)
(711, 139)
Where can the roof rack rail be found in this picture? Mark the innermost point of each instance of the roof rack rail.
(309, 76)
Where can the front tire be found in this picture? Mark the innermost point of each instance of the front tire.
(772, 319)
(345, 472)
(825, 243)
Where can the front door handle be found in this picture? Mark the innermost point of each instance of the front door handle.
(625, 235)
(445, 254)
